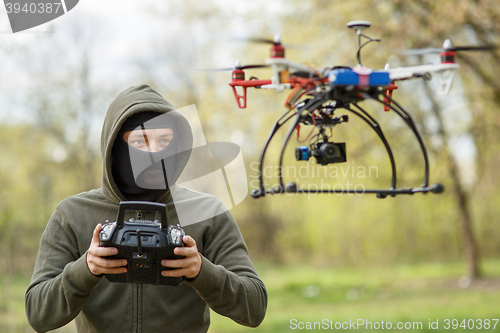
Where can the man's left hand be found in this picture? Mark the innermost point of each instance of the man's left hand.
(189, 266)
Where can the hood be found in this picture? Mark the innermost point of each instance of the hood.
(136, 99)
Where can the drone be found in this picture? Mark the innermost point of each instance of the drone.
(317, 93)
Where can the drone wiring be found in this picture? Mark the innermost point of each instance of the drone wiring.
(311, 132)
(314, 69)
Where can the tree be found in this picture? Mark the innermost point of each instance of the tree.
(476, 22)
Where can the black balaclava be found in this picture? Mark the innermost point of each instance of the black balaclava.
(130, 166)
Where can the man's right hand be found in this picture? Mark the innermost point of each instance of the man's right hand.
(99, 265)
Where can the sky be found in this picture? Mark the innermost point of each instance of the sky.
(123, 31)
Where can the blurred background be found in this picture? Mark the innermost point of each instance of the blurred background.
(403, 259)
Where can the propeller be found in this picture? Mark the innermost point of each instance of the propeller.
(237, 66)
(275, 41)
(447, 47)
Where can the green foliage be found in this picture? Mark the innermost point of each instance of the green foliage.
(33, 183)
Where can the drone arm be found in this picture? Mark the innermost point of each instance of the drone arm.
(404, 73)
(312, 105)
(285, 141)
(376, 127)
(409, 121)
(277, 125)
(276, 86)
(249, 83)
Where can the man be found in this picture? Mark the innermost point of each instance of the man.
(67, 282)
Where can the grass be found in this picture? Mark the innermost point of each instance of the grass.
(416, 293)
(407, 294)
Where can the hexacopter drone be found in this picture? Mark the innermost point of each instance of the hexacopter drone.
(316, 94)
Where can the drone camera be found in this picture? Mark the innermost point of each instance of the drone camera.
(302, 153)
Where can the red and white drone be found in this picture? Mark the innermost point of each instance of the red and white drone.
(317, 93)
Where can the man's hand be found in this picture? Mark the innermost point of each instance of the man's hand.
(99, 265)
(189, 266)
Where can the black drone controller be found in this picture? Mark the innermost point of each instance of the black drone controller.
(143, 242)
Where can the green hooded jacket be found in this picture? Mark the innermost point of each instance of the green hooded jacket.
(63, 288)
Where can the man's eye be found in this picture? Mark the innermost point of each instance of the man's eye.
(138, 142)
(166, 141)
